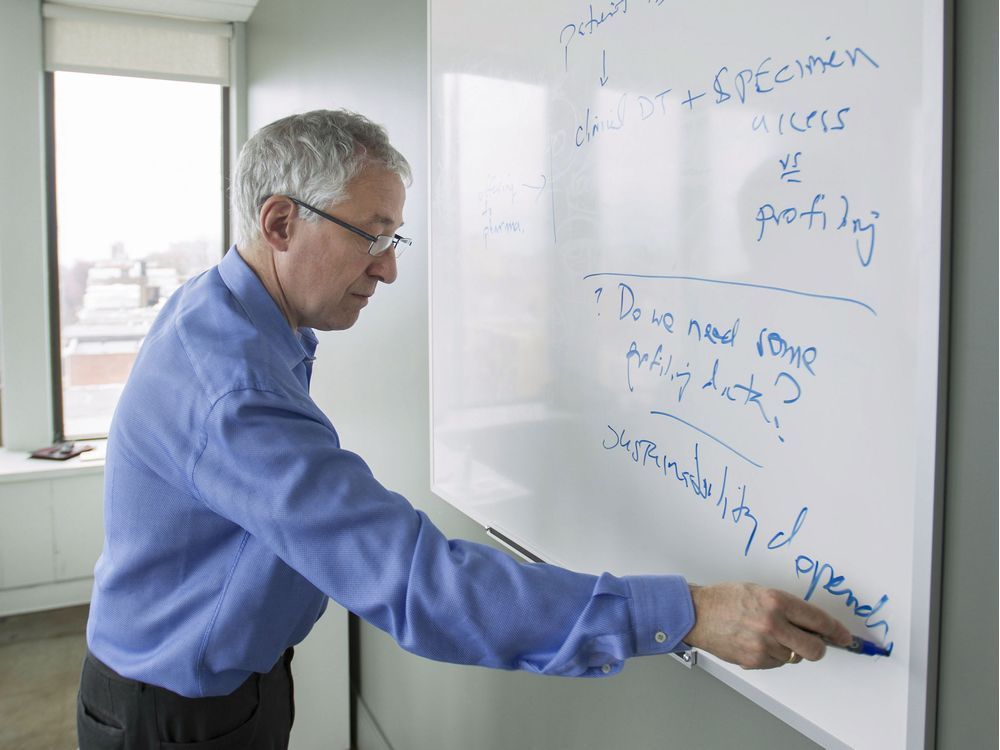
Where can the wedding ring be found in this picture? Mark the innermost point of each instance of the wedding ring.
(794, 658)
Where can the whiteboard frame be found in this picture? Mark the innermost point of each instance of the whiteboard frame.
(936, 523)
(922, 708)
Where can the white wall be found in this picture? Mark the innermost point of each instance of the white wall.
(25, 408)
(372, 380)
(49, 522)
(51, 531)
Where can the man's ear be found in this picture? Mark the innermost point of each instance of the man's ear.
(275, 221)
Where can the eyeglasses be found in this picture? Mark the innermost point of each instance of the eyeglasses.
(380, 244)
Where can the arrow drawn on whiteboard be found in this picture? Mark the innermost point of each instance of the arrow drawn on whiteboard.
(539, 188)
(604, 64)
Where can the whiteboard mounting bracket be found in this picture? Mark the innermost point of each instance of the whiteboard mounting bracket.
(688, 658)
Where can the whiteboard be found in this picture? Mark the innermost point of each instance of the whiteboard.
(685, 301)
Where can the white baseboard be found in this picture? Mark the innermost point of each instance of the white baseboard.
(45, 596)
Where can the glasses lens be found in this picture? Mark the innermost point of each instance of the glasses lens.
(382, 243)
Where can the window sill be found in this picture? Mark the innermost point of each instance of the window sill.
(16, 466)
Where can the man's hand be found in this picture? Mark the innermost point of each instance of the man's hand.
(760, 628)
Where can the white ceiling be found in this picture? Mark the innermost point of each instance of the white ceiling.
(216, 10)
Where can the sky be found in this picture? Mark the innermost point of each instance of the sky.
(137, 161)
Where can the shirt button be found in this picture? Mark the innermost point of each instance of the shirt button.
(660, 636)
(606, 669)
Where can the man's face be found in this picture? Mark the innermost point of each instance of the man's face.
(327, 275)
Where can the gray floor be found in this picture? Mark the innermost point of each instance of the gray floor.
(40, 659)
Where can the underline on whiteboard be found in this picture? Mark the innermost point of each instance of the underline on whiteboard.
(814, 295)
(708, 435)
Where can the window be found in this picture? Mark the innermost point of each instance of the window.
(139, 208)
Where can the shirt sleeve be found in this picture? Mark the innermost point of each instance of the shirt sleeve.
(277, 470)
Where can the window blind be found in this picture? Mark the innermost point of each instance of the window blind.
(83, 40)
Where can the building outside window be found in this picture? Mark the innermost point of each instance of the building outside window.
(139, 210)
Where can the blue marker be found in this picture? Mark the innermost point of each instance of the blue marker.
(861, 646)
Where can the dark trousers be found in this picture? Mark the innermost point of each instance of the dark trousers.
(115, 712)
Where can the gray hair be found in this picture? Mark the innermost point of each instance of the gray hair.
(312, 157)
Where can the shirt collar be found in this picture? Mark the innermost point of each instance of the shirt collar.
(264, 312)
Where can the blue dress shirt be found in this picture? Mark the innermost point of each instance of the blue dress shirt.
(232, 512)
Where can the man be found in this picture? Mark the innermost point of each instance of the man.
(233, 512)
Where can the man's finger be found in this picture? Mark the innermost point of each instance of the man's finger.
(814, 620)
(804, 643)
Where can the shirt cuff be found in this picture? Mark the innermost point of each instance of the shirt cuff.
(662, 613)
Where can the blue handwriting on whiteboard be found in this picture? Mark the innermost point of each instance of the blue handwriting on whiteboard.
(790, 171)
(653, 363)
(815, 121)
(713, 335)
(750, 391)
(589, 25)
(745, 284)
(494, 227)
(747, 392)
(645, 453)
(497, 188)
(834, 585)
(762, 79)
(781, 539)
(594, 125)
(815, 217)
(628, 309)
(775, 345)
(769, 75)
(734, 508)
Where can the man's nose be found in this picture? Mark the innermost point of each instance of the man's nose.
(383, 267)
